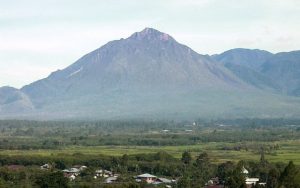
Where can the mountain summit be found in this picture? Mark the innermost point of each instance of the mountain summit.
(151, 34)
(148, 75)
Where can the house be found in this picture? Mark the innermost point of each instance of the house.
(164, 180)
(71, 171)
(151, 179)
(71, 177)
(103, 173)
(146, 177)
(80, 167)
(214, 183)
(75, 170)
(251, 181)
(45, 167)
(110, 176)
(111, 179)
(262, 184)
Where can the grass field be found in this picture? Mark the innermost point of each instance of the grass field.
(289, 150)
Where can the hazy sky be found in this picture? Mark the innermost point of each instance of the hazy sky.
(38, 37)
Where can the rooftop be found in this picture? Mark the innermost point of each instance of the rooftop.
(146, 176)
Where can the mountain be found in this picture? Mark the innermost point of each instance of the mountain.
(13, 100)
(149, 66)
(284, 69)
(278, 72)
(246, 64)
(151, 75)
(147, 60)
(250, 58)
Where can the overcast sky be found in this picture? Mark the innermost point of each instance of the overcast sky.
(38, 37)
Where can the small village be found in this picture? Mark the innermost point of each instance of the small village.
(111, 177)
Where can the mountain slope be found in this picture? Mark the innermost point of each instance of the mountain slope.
(244, 57)
(252, 77)
(151, 75)
(246, 64)
(13, 100)
(284, 69)
(275, 72)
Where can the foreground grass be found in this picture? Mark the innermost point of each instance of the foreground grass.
(289, 150)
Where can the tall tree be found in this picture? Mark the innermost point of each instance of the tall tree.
(224, 170)
(186, 158)
(236, 178)
(184, 182)
(288, 176)
(273, 176)
(202, 160)
(202, 172)
(263, 161)
(55, 179)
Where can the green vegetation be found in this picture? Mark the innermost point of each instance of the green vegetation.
(288, 150)
(192, 153)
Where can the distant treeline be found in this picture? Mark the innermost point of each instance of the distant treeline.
(22, 134)
(251, 122)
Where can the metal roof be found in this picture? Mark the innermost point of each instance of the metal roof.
(146, 176)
